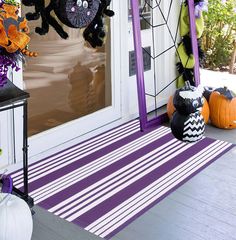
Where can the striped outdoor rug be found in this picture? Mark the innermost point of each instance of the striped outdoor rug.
(104, 183)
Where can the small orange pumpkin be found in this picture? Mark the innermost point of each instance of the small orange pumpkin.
(223, 108)
(205, 109)
(170, 107)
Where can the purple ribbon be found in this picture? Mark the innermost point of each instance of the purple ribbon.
(5, 64)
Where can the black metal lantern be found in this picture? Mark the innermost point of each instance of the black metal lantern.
(12, 97)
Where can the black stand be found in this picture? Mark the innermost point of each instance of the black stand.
(12, 97)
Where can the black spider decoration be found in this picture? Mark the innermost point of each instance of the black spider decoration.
(88, 14)
(95, 32)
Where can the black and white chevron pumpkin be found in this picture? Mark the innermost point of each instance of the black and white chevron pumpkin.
(187, 123)
(188, 128)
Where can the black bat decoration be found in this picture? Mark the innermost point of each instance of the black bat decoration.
(7, 22)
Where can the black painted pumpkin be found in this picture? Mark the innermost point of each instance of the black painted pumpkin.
(188, 99)
(188, 128)
(76, 13)
(207, 92)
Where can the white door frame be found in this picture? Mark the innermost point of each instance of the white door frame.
(52, 138)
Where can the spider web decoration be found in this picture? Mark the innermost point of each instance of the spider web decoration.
(162, 33)
(165, 39)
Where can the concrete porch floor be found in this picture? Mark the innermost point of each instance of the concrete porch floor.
(202, 209)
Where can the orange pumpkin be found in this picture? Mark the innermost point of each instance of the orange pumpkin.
(170, 107)
(205, 109)
(222, 110)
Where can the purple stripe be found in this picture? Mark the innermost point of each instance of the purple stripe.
(76, 153)
(77, 145)
(107, 205)
(81, 185)
(83, 161)
(113, 233)
(118, 183)
(101, 209)
(173, 176)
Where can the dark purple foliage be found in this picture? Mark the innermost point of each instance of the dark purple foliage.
(8, 60)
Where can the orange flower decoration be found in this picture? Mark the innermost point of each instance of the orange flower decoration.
(13, 29)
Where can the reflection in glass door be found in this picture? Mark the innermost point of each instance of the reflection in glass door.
(68, 80)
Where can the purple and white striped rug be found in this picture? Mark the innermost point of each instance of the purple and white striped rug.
(104, 183)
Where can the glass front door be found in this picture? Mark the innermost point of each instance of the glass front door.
(67, 80)
(73, 87)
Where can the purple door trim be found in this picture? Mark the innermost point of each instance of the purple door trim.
(194, 41)
(144, 122)
(139, 64)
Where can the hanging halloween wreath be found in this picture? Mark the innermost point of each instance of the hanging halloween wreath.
(14, 38)
(88, 14)
(186, 64)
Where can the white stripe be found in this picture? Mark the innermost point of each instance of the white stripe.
(108, 195)
(101, 196)
(20, 184)
(100, 163)
(149, 201)
(192, 118)
(126, 179)
(151, 198)
(66, 160)
(192, 139)
(195, 125)
(194, 133)
(151, 195)
(86, 143)
(88, 149)
(110, 178)
(113, 211)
